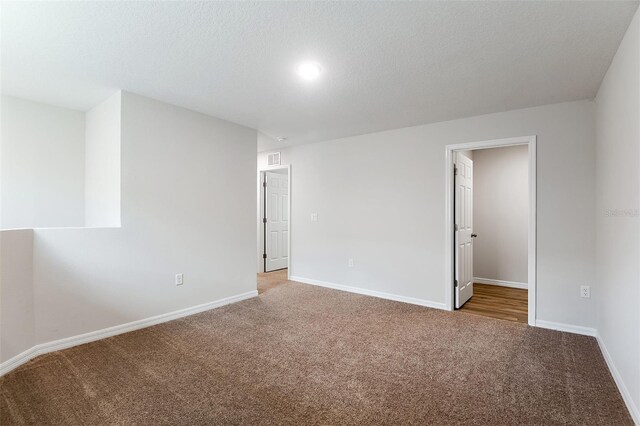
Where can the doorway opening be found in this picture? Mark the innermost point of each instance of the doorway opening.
(491, 228)
(274, 226)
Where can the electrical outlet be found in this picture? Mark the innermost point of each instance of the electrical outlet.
(314, 217)
(350, 263)
(585, 291)
(179, 280)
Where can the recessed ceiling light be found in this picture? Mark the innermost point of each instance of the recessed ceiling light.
(309, 70)
(281, 138)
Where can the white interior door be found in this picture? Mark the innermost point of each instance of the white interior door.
(463, 229)
(277, 223)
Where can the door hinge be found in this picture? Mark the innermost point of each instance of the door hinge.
(455, 170)
(264, 184)
(455, 227)
(264, 220)
(455, 283)
(264, 255)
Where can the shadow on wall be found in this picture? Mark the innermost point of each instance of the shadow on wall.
(16, 292)
(88, 288)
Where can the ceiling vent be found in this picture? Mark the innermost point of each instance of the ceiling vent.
(273, 159)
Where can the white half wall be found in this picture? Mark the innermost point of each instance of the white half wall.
(16, 292)
(380, 199)
(188, 206)
(42, 169)
(102, 164)
(501, 213)
(618, 216)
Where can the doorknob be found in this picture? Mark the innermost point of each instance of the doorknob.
(474, 235)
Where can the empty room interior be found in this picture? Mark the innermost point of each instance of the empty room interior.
(327, 213)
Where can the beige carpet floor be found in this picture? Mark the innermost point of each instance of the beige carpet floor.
(299, 354)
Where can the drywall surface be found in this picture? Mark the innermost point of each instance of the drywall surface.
(102, 164)
(618, 212)
(16, 292)
(188, 206)
(42, 165)
(380, 200)
(501, 213)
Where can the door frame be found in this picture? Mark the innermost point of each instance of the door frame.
(530, 141)
(260, 227)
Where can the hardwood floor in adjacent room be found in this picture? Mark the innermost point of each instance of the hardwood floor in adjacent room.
(270, 280)
(498, 302)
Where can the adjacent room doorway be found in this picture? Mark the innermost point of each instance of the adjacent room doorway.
(275, 220)
(274, 226)
(508, 224)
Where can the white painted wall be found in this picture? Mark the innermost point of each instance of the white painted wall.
(42, 165)
(16, 292)
(501, 213)
(188, 206)
(467, 153)
(380, 200)
(188, 203)
(618, 213)
(102, 164)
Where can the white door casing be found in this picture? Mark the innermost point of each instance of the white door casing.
(276, 227)
(463, 228)
(449, 271)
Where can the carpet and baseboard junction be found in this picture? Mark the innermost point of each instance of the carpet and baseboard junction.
(301, 354)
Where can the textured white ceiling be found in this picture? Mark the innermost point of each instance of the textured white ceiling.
(386, 64)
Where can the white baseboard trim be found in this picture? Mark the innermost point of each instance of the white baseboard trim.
(626, 395)
(576, 329)
(373, 293)
(92, 336)
(56, 345)
(18, 360)
(501, 283)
